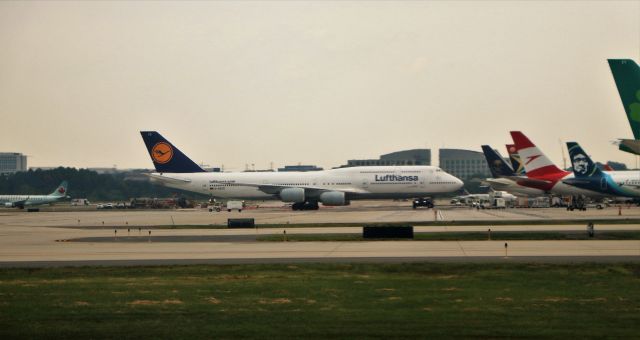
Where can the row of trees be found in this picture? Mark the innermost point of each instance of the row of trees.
(85, 183)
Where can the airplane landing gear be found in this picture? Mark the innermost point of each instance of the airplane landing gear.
(308, 205)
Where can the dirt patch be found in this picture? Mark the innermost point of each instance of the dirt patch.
(277, 301)
(213, 300)
(506, 299)
(143, 302)
(555, 299)
(445, 277)
(450, 289)
(155, 302)
(386, 290)
(81, 303)
(599, 299)
(394, 298)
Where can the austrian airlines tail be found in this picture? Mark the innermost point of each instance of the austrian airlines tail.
(536, 163)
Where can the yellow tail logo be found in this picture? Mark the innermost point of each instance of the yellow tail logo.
(162, 153)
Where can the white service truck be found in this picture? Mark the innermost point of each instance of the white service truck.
(233, 205)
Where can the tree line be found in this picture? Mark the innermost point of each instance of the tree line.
(84, 183)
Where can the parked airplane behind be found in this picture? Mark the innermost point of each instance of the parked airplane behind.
(21, 201)
(626, 74)
(504, 179)
(304, 189)
(542, 173)
(588, 176)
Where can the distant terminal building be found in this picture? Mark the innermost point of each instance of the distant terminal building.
(300, 168)
(406, 157)
(464, 164)
(12, 162)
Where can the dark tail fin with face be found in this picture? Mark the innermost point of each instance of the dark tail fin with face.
(582, 164)
(497, 165)
(165, 156)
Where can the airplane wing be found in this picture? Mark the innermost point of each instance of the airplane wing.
(19, 203)
(577, 181)
(168, 179)
(274, 189)
(527, 181)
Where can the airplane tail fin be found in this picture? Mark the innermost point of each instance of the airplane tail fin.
(165, 156)
(497, 165)
(626, 74)
(516, 162)
(61, 190)
(582, 164)
(536, 163)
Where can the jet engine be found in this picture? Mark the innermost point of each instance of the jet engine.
(9, 205)
(333, 198)
(294, 195)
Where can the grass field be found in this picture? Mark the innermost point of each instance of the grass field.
(322, 301)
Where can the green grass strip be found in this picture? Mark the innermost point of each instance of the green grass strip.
(319, 301)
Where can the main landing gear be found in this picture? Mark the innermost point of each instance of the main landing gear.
(308, 205)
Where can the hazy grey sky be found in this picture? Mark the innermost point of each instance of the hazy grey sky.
(311, 82)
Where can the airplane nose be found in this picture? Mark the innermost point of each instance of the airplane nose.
(459, 184)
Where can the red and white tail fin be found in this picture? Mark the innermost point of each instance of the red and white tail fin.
(536, 163)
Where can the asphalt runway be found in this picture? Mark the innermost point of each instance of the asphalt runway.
(42, 239)
(358, 212)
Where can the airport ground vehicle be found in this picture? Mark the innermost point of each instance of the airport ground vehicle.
(80, 201)
(214, 206)
(235, 205)
(422, 202)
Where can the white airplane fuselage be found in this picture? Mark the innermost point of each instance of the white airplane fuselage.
(29, 200)
(374, 182)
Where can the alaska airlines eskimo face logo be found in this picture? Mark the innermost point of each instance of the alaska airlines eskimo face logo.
(580, 164)
(162, 153)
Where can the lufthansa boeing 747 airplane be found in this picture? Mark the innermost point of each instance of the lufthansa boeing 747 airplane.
(304, 189)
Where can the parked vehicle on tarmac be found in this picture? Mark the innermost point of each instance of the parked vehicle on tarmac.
(422, 202)
(233, 205)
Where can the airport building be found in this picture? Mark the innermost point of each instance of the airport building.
(300, 168)
(464, 164)
(406, 157)
(12, 162)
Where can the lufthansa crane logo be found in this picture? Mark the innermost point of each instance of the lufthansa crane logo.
(162, 153)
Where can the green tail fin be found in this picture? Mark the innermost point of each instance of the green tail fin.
(627, 76)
